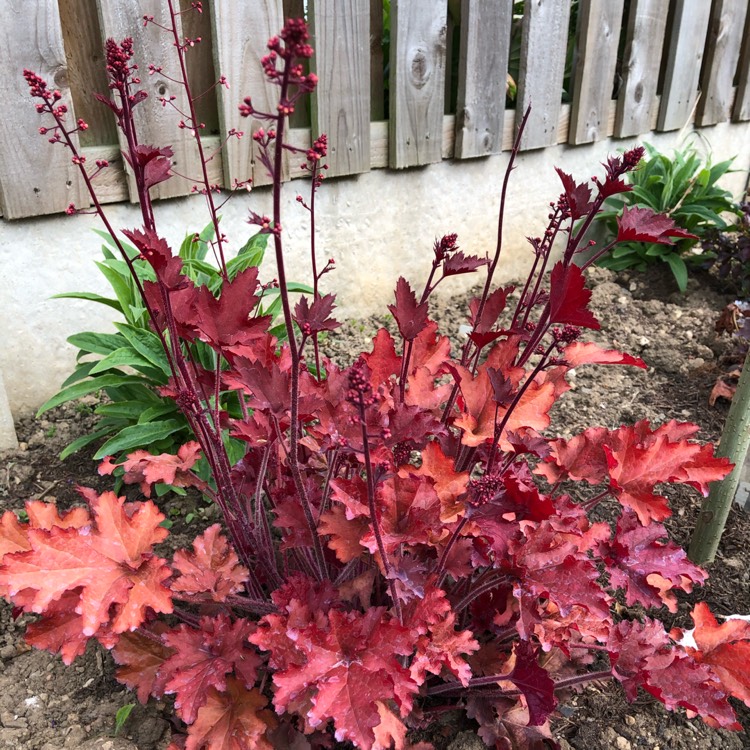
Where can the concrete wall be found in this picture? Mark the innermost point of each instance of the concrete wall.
(377, 226)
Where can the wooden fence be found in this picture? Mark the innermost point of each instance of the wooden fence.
(635, 66)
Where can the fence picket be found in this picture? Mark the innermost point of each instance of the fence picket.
(417, 80)
(240, 32)
(156, 124)
(643, 50)
(722, 51)
(33, 173)
(377, 81)
(341, 101)
(684, 58)
(482, 76)
(599, 23)
(543, 49)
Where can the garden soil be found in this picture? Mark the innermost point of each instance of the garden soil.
(47, 706)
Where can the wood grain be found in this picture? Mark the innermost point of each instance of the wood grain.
(643, 51)
(482, 76)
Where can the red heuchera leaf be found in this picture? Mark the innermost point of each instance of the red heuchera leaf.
(267, 386)
(112, 563)
(533, 681)
(341, 671)
(212, 567)
(724, 648)
(636, 459)
(156, 163)
(145, 469)
(225, 323)
(140, 658)
(202, 659)
(641, 224)
(315, 318)
(569, 297)
(459, 263)
(580, 353)
(577, 195)
(59, 631)
(636, 649)
(493, 306)
(410, 316)
(646, 568)
(156, 251)
(504, 725)
(438, 644)
(236, 719)
(692, 686)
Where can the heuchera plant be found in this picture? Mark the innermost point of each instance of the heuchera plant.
(398, 538)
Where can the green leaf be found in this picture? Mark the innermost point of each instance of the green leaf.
(160, 410)
(122, 716)
(107, 237)
(96, 343)
(679, 269)
(91, 297)
(124, 357)
(82, 371)
(83, 389)
(147, 344)
(127, 410)
(84, 440)
(120, 286)
(138, 436)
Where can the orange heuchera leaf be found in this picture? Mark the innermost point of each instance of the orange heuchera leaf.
(589, 353)
(111, 562)
(145, 470)
(725, 649)
(449, 484)
(236, 719)
(212, 567)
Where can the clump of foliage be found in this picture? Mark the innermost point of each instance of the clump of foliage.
(728, 253)
(396, 536)
(130, 365)
(683, 188)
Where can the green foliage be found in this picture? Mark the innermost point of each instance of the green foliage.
(683, 187)
(122, 715)
(130, 365)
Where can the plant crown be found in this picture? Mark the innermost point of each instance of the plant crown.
(398, 539)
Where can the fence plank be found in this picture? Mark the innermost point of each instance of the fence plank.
(240, 32)
(341, 101)
(84, 49)
(680, 88)
(417, 80)
(643, 49)
(741, 108)
(156, 124)
(33, 173)
(722, 50)
(543, 47)
(482, 76)
(599, 23)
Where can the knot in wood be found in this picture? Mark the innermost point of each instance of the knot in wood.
(421, 69)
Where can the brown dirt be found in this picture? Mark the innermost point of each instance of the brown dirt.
(46, 706)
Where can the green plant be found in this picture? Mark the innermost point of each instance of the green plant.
(122, 715)
(683, 187)
(130, 366)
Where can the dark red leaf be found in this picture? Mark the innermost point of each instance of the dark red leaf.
(493, 306)
(459, 263)
(641, 224)
(315, 318)
(410, 316)
(569, 297)
(577, 195)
